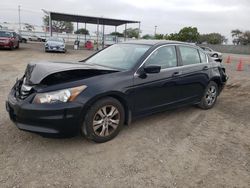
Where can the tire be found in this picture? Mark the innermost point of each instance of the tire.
(108, 115)
(17, 45)
(210, 96)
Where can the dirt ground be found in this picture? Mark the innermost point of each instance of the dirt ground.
(186, 147)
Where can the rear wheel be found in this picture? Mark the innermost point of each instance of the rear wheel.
(104, 120)
(210, 96)
(17, 45)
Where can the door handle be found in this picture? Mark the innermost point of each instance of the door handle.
(205, 68)
(177, 73)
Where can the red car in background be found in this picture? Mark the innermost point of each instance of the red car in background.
(9, 39)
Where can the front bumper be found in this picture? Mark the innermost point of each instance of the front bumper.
(5, 45)
(54, 49)
(63, 118)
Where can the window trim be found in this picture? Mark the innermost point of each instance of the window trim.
(199, 51)
(168, 68)
(194, 47)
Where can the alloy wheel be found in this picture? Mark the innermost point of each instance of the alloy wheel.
(211, 95)
(106, 120)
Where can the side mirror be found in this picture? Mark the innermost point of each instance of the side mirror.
(152, 69)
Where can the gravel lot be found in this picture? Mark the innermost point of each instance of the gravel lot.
(187, 147)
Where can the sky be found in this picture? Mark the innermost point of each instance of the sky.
(169, 16)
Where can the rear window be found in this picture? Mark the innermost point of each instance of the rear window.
(6, 34)
(189, 55)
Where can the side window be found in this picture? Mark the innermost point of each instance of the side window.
(189, 55)
(203, 57)
(164, 57)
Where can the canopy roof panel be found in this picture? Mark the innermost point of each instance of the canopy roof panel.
(87, 19)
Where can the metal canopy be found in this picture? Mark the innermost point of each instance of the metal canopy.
(88, 19)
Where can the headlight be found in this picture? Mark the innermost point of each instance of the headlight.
(62, 46)
(64, 95)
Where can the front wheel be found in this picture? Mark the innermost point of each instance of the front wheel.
(103, 120)
(210, 96)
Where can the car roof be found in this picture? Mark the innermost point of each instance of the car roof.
(157, 42)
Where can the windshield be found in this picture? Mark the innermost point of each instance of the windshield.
(56, 39)
(5, 34)
(119, 56)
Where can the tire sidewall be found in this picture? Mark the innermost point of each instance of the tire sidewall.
(87, 128)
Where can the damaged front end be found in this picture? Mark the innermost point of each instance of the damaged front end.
(30, 101)
(51, 73)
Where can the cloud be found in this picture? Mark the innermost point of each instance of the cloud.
(169, 16)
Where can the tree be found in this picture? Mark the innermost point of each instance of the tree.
(172, 36)
(159, 36)
(237, 36)
(82, 31)
(29, 27)
(117, 34)
(131, 33)
(212, 38)
(59, 26)
(245, 40)
(147, 36)
(188, 34)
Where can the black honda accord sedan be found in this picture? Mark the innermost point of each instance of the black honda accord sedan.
(100, 94)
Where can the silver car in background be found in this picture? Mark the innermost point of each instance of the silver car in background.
(217, 56)
(211, 52)
(55, 44)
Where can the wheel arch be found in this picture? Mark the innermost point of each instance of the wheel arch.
(217, 80)
(116, 95)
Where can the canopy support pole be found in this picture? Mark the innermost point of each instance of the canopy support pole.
(97, 35)
(85, 33)
(77, 30)
(103, 30)
(139, 30)
(50, 25)
(116, 37)
(125, 33)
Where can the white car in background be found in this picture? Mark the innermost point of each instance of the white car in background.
(214, 54)
(211, 52)
(55, 44)
(36, 38)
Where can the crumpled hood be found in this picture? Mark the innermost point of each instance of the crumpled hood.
(36, 72)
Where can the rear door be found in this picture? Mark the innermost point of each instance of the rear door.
(195, 73)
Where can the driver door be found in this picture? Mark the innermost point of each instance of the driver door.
(157, 90)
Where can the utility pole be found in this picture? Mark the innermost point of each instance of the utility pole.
(155, 29)
(19, 18)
